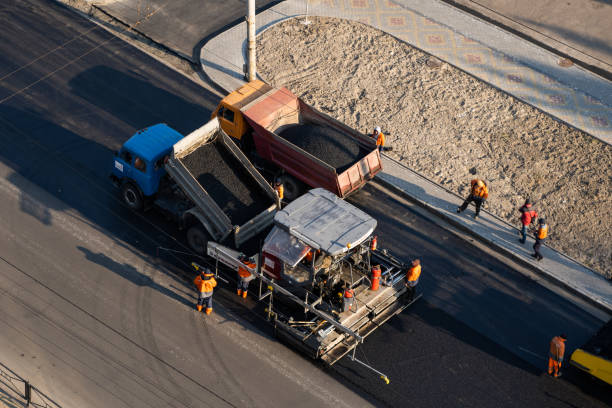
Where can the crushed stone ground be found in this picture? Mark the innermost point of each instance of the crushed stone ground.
(444, 123)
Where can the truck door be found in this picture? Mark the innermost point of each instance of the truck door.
(122, 168)
(228, 120)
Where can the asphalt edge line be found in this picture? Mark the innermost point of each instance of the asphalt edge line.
(515, 257)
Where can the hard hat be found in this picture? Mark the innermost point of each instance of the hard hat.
(377, 129)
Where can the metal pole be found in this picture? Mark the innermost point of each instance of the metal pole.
(252, 67)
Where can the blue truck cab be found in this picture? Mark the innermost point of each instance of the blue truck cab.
(138, 167)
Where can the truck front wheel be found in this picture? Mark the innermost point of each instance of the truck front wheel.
(132, 196)
(197, 239)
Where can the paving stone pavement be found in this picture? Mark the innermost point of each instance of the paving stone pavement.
(572, 94)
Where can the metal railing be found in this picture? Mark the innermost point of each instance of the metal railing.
(20, 388)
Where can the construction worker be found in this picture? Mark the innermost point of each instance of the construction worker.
(244, 275)
(540, 237)
(380, 138)
(205, 283)
(412, 276)
(528, 215)
(280, 189)
(555, 355)
(348, 299)
(478, 194)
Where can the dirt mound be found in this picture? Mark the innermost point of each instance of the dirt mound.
(444, 123)
(229, 186)
(325, 143)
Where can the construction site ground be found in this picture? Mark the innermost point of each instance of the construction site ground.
(451, 127)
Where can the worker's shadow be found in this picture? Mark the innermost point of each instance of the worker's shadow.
(132, 274)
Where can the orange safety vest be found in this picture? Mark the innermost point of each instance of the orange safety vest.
(557, 348)
(413, 273)
(280, 190)
(380, 140)
(244, 272)
(542, 232)
(479, 189)
(205, 285)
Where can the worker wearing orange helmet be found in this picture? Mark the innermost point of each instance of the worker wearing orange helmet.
(380, 138)
(205, 283)
(412, 277)
(244, 275)
(555, 355)
(478, 194)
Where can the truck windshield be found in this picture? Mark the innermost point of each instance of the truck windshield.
(287, 248)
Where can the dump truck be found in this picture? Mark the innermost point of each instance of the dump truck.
(595, 356)
(320, 247)
(203, 181)
(303, 147)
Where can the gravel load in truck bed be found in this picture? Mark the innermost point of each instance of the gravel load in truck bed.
(325, 143)
(228, 184)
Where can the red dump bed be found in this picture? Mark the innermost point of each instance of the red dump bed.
(310, 145)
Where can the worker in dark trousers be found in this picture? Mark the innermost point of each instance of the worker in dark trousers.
(528, 215)
(412, 277)
(379, 136)
(478, 194)
(244, 275)
(540, 237)
(555, 355)
(205, 283)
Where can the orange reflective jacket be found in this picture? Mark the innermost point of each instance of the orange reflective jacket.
(557, 348)
(380, 140)
(542, 231)
(479, 189)
(280, 190)
(205, 285)
(413, 273)
(244, 272)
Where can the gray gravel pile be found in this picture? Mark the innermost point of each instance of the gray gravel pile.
(327, 144)
(224, 179)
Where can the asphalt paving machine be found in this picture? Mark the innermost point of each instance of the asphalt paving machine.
(325, 283)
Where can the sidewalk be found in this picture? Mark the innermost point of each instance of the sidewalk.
(573, 95)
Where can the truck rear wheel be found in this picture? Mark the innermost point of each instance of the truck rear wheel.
(197, 239)
(293, 188)
(132, 196)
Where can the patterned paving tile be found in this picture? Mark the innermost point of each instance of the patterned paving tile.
(396, 22)
(432, 40)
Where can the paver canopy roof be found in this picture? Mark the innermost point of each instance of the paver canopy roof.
(323, 221)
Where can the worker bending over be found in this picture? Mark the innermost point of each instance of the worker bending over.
(244, 275)
(555, 355)
(380, 138)
(412, 277)
(540, 237)
(528, 215)
(205, 283)
(478, 194)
